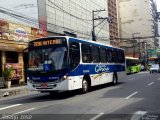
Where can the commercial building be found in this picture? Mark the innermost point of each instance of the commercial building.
(72, 17)
(113, 25)
(138, 26)
(14, 39)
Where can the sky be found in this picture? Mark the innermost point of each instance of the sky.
(25, 7)
(18, 5)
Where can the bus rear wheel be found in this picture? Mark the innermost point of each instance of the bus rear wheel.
(85, 86)
(115, 79)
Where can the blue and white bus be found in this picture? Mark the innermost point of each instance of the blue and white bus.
(66, 63)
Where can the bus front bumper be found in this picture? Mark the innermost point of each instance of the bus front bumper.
(61, 86)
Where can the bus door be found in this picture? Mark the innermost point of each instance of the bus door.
(74, 58)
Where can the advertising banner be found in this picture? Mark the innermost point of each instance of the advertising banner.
(16, 73)
(19, 32)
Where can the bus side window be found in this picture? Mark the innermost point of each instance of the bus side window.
(113, 55)
(74, 54)
(119, 57)
(116, 56)
(109, 55)
(95, 54)
(123, 57)
(103, 55)
(86, 53)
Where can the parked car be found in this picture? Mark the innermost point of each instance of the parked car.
(154, 68)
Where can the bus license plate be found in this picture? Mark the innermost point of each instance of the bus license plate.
(44, 85)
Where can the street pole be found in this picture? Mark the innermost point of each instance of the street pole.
(139, 49)
(134, 50)
(93, 30)
(99, 18)
(139, 44)
(146, 54)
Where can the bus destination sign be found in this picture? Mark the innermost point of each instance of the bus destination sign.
(47, 42)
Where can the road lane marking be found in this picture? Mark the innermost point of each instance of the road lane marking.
(150, 83)
(24, 111)
(12, 115)
(10, 106)
(138, 115)
(97, 116)
(131, 95)
(132, 79)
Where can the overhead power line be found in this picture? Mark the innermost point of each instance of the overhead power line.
(66, 11)
(133, 39)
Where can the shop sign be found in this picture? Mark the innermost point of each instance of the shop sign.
(20, 34)
(38, 33)
(12, 47)
(4, 28)
(16, 73)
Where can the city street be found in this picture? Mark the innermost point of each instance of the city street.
(135, 96)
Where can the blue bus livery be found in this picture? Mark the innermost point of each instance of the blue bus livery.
(66, 63)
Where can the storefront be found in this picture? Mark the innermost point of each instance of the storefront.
(14, 39)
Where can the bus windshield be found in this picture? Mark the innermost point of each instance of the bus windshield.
(152, 61)
(50, 58)
(132, 62)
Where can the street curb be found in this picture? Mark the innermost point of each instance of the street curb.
(14, 92)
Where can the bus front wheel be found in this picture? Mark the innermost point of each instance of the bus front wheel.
(53, 93)
(85, 86)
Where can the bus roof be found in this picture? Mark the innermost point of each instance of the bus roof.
(132, 58)
(152, 58)
(80, 40)
(94, 42)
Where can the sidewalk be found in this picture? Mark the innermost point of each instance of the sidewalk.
(13, 91)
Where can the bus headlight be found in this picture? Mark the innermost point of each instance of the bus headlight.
(64, 77)
(29, 80)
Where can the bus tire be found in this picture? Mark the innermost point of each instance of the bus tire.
(53, 93)
(115, 79)
(85, 86)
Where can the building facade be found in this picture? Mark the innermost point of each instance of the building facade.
(75, 18)
(138, 25)
(113, 25)
(14, 39)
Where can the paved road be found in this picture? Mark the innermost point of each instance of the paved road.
(135, 96)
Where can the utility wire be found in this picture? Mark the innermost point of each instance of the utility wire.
(29, 20)
(101, 27)
(66, 11)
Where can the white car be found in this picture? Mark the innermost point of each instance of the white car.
(154, 68)
(142, 67)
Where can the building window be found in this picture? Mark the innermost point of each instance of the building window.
(11, 57)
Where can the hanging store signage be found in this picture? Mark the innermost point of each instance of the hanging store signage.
(21, 35)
